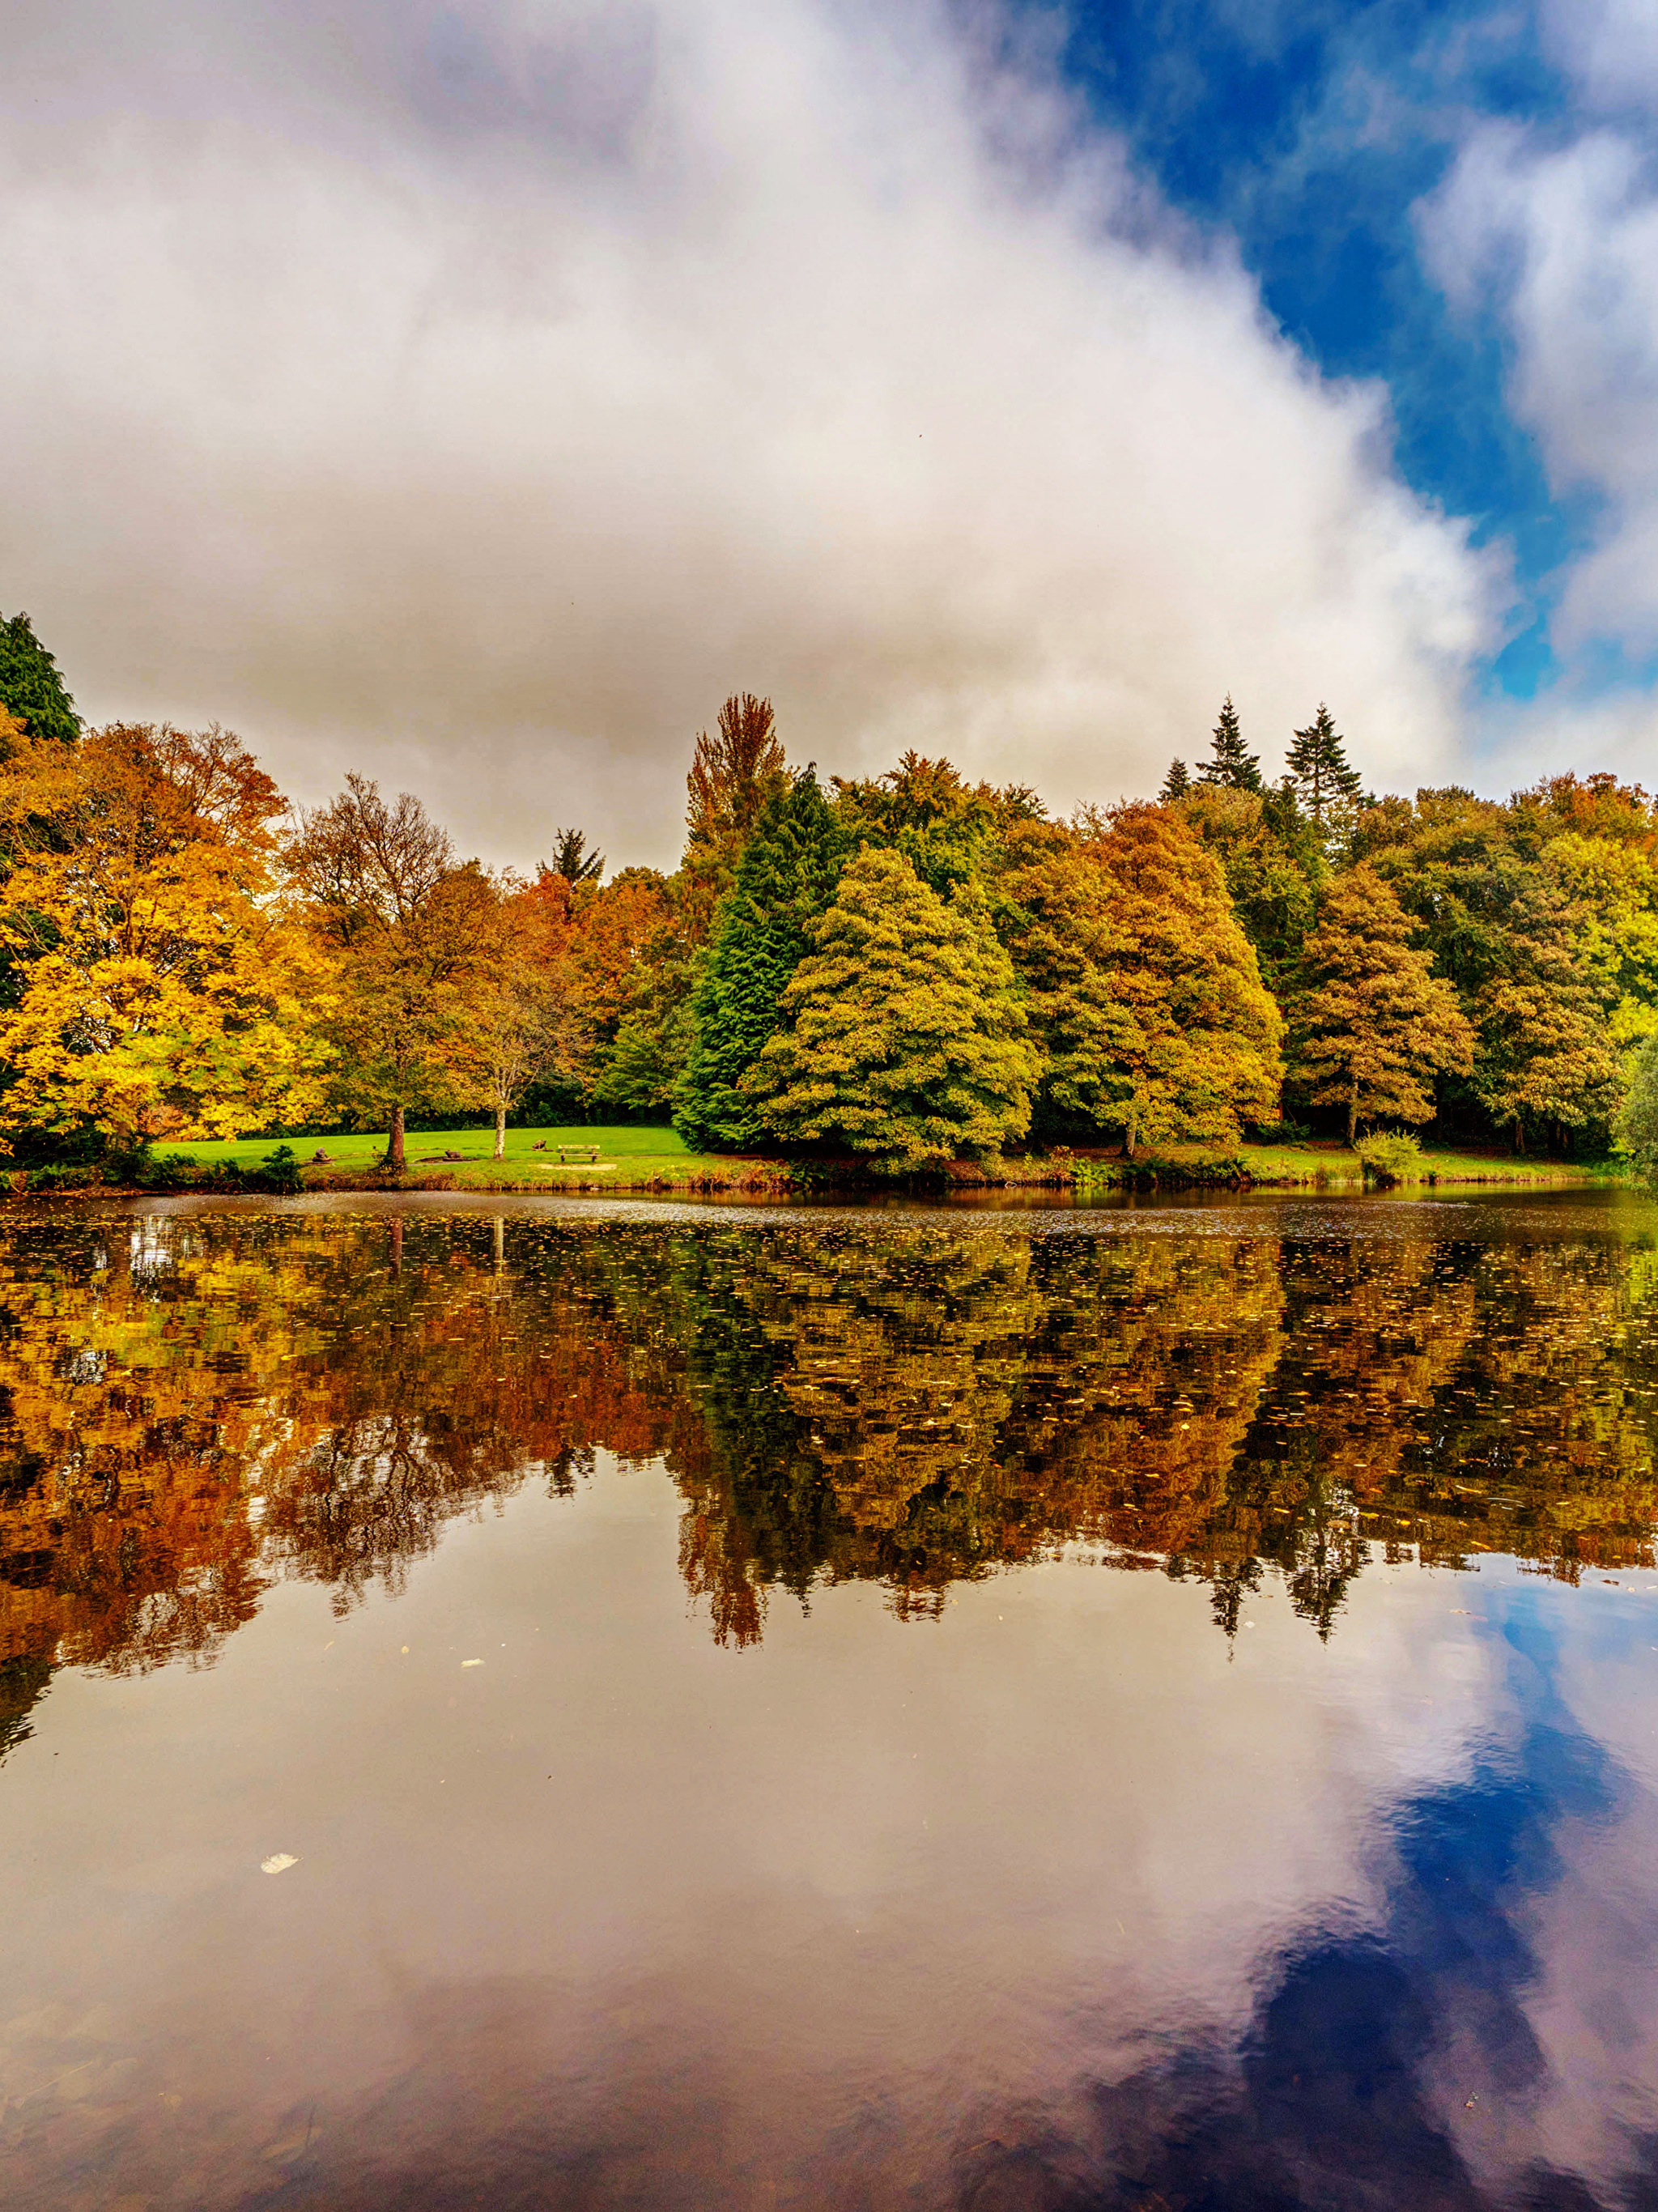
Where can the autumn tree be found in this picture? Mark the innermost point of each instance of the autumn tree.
(904, 1039)
(1372, 1024)
(1056, 916)
(761, 933)
(526, 1021)
(633, 958)
(1203, 1052)
(1230, 763)
(159, 989)
(732, 774)
(1319, 770)
(1504, 929)
(409, 930)
(31, 688)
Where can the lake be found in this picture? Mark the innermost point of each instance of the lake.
(514, 1706)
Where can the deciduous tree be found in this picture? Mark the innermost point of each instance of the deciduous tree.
(1203, 1054)
(1372, 1024)
(410, 931)
(732, 774)
(159, 987)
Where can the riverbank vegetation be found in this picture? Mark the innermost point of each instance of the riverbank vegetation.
(903, 975)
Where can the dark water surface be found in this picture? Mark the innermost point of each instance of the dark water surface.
(1154, 1708)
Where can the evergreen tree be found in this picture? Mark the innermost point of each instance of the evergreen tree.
(1230, 764)
(1373, 1024)
(1275, 864)
(905, 1038)
(1317, 761)
(30, 685)
(572, 860)
(785, 881)
(1176, 783)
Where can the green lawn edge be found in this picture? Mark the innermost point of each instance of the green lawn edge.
(632, 1157)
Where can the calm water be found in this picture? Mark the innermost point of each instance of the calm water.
(1149, 1709)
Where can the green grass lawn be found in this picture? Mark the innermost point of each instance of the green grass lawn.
(627, 1154)
(1334, 1164)
(630, 1157)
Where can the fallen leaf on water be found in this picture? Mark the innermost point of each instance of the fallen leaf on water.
(472, 1663)
(278, 1862)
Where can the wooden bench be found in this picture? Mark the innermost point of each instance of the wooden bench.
(587, 1152)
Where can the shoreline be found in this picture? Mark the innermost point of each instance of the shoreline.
(1080, 1176)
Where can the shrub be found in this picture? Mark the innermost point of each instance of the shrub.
(1388, 1160)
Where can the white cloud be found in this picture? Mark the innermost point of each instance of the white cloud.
(476, 397)
(1565, 239)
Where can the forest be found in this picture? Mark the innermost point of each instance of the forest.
(900, 970)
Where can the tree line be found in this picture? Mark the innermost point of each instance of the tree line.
(910, 968)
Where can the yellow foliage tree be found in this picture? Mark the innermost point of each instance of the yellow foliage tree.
(159, 989)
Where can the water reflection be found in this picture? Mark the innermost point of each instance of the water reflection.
(193, 1407)
(1218, 1860)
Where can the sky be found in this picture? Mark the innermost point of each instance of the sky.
(474, 395)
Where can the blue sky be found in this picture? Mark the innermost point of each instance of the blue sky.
(1311, 133)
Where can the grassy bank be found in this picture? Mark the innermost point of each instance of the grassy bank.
(632, 1158)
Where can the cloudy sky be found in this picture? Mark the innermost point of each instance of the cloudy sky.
(475, 394)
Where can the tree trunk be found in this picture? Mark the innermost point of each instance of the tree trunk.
(500, 1133)
(1353, 1118)
(394, 1154)
(1130, 1132)
(1519, 1134)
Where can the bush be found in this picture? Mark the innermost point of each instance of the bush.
(1388, 1159)
(1280, 1132)
(278, 1172)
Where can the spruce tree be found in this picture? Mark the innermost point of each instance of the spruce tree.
(906, 1039)
(785, 881)
(1230, 764)
(1176, 783)
(31, 687)
(1317, 761)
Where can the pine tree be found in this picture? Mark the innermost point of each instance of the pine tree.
(31, 687)
(1317, 761)
(1230, 764)
(905, 1039)
(573, 861)
(1373, 1024)
(1176, 783)
(785, 881)
(732, 774)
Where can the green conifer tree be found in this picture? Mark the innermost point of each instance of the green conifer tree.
(785, 881)
(30, 685)
(1319, 770)
(906, 1038)
(1176, 783)
(1230, 764)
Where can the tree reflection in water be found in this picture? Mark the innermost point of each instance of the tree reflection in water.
(195, 1407)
